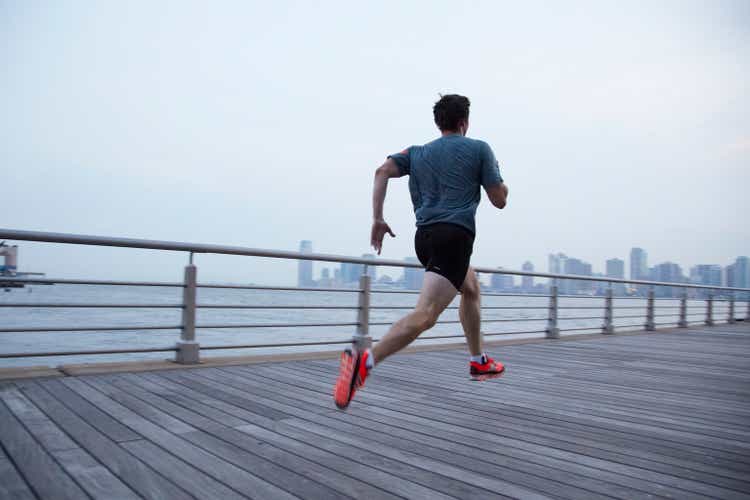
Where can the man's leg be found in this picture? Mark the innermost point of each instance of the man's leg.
(470, 312)
(437, 293)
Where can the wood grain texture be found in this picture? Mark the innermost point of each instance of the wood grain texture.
(663, 415)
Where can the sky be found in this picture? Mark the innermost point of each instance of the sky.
(616, 124)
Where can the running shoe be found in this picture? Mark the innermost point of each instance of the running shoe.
(487, 370)
(352, 374)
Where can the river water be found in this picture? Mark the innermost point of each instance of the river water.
(35, 317)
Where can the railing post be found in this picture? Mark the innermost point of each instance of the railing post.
(608, 327)
(731, 308)
(710, 309)
(188, 350)
(362, 339)
(683, 310)
(552, 331)
(650, 323)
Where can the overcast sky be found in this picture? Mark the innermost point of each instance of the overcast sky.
(616, 124)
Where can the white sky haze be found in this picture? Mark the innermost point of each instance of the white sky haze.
(616, 124)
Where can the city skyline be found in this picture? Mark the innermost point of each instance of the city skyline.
(737, 273)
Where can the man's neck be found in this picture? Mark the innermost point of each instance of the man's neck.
(451, 132)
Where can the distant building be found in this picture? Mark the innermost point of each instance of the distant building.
(371, 270)
(527, 282)
(502, 282)
(667, 272)
(742, 272)
(706, 274)
(413, 277)
(305, 267)
(581, 268)
(638, 264)
(616, 269)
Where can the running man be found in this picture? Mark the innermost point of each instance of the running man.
(444, 180)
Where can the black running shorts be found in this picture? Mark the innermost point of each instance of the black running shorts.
(445, 249)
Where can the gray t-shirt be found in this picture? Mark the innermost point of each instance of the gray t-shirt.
(445, 176)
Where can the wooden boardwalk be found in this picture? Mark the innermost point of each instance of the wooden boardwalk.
(654, 415)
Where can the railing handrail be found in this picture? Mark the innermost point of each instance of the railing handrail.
(79, 239)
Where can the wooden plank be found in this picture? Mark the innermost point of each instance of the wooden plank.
(191, 478)
(368, 475)
(93, 477)
(423, 410)
(279, 476)
(211, 465)
(49, 435)
(95, 417)
(290, 461)
(47, 478)
(366, 424)
(12, 485)
(125, 466)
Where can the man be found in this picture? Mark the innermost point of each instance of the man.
(444, 180)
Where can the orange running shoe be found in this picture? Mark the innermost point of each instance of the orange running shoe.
(352, 374)
(487, 370)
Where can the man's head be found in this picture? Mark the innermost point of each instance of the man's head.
(452, 114)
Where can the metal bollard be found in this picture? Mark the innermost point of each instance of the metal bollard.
(710, 310)
(553, 332)
(730, 319)
(650, 324)
(683, 311)
(608, 328)
(362, 339)
(188, 350)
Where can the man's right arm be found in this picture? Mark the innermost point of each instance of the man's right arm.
(498, 194)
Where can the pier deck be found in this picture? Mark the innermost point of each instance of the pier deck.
(663, 414)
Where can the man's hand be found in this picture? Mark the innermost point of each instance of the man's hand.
(379, 228)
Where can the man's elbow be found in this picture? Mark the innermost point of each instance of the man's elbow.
(500, 203)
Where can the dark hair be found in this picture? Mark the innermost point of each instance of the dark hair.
(450, 110)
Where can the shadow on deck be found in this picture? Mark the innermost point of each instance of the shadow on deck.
(664, 414)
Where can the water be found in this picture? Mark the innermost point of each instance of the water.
(533, 320)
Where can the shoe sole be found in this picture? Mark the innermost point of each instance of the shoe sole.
(486, 376)
(346, 381)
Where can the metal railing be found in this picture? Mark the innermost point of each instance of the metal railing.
(188, 349)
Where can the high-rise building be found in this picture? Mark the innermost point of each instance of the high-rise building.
(616, 268)
(706, 274)
(742, 272)
(305, 267)
(413, 277)
(581, 268)
(527, 282)
(638, 264)
(502, 282)
(667, 272)
(730, 278)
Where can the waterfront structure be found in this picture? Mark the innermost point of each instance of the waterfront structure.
(638, 264)
(502, 282)
(305, 267)
(667, 272)
(10, 259)
(527, 282)
(706, 274)
(615, 268)
(413, 277)
(562, 264)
